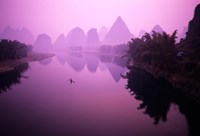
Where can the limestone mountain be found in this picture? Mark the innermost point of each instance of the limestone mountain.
(118, 33)
(61, 42)
(23, 35)
(102, 33)
(141, 33)
(76, 37)
(157, 28)
(92, 39)
(43, 43)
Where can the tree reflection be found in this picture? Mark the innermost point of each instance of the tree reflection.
(7, 79)
(157, 95)
(153, 93)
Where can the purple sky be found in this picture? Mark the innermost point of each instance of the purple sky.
(59, 16)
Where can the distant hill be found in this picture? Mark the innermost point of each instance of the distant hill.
(43, 43)
(23, 35)
(102, 33)
(157, 28)
(76, 37)
(141, 33)
(92, 39)
(118, 33)
(61, 42)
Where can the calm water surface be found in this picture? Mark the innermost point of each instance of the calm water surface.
(45, 103)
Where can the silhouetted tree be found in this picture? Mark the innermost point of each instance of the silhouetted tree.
(156, 51)
(176, 67)
(159, 55)
(7, 79)
(147, 89)
(156, 96)
(13, 49)
(194, 29)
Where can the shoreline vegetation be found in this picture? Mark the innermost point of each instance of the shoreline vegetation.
(10, 64)
(177, 63)
(14, 54)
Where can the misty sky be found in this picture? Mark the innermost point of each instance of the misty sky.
(59, 16)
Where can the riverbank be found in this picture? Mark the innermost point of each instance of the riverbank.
(177, 63)
(11, 64)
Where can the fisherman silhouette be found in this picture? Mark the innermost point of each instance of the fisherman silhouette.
(123, 76)
(71, 81)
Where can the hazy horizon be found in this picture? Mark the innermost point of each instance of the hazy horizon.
(54, 17)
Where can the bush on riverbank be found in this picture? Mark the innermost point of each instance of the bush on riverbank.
(13, 49)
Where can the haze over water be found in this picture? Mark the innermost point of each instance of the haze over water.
(97, 103)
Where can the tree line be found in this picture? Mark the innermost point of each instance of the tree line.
(156, 52)
(13, 49)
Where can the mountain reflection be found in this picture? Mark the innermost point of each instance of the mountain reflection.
(92, 62)
(157, 95)
(115, 71)
(46, 61)
(105, 58)
(116, 65)
(10, 78)
(76, 61)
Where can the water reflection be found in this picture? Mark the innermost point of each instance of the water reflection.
(105, 58)
(115, 71)
(61, 57)
(74, 59)
(157, 95)
(46, 61)
(92, 61)
(92, 105)
(117, 60)
(10, 78)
